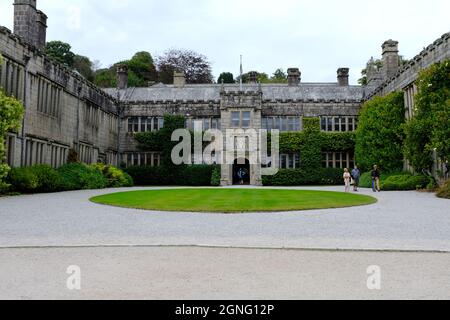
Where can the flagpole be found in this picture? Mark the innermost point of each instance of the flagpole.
(240, 78)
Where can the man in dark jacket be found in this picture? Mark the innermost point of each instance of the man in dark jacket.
(356, 175)
(376, 176)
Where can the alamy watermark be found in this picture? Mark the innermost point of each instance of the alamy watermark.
(374, 279)
(74, 280)
(227, 147)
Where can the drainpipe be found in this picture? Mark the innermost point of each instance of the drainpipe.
(119, 117)
(79, 88)
(26, 59)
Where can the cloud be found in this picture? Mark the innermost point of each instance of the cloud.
(316, 36)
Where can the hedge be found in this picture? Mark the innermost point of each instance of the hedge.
(444, 191)
(298, 177)
(398, 181)
(75, 176)
(195, 175)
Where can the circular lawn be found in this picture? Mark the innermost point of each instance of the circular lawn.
(232, 200)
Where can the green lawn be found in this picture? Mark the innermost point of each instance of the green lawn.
(232, 200)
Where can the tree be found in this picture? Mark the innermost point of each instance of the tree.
(195, 66)
(11, 112)
(141, 71)
(279, 76)
(429, 129)
(60, 52)
(84, 66)
(260, 77)
(226, 77)
(379, 138)
(372, 64)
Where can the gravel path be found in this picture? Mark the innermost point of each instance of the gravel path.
(399, 221)
(230, 274)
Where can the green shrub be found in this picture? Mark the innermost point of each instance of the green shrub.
(77, 176)
(300, 177)
(405, 182)
(444, 191)
(398, 181)
(366, 178)
(116, 178)
(196, 175)
(216, 177)
(23, 180)
(48, 179)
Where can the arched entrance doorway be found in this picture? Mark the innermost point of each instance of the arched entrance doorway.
(241, 172)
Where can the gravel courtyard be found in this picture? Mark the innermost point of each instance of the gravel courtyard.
(133, 254)
(399, 221)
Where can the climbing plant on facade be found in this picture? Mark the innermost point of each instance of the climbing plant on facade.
(429, 129)
(379, 138)
(11, 112)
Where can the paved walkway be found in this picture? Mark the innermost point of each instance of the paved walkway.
(399, 221)
(231, 274)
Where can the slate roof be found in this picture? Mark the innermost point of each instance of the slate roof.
(211, 92)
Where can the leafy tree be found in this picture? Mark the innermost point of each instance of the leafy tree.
(429, 130)
(195, 66)
(60, 52)
(11, 112)
(375, 64)
(105, 78)
(260, 77)
(84, 66)
(279, 76)
(379, 138)
(141, 71)
(226, 77)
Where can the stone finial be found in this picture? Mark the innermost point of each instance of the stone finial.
(343, 76)
(253, 77)
(122, 77)
(179, 79)
(294, 76)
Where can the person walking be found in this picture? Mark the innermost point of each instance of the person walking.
(347, 180)
(356, 175)
(376, 176)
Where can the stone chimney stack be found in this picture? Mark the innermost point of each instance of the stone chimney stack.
(342, 76)
(25, 20)
(179, 79)
(41, 28)
(294, 76)
(122, 77)
(253, 77)
(391, 59)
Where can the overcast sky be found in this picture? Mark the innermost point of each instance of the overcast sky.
(317, 36)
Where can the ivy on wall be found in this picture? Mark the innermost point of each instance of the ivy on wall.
(11, 112)
(309, 143)
(429, 130)
(379, 138)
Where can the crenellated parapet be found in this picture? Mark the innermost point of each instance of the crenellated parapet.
(406, 75)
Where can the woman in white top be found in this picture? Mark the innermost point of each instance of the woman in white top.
(348, 180)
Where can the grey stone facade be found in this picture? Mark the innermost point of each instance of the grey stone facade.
(64, 111)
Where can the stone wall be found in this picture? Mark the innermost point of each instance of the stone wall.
(80, 112)
(406, 76)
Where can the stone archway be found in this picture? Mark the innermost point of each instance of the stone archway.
(241, 172)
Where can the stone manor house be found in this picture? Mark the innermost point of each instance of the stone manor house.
(64, 111)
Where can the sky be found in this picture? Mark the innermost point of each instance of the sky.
(317, 36)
